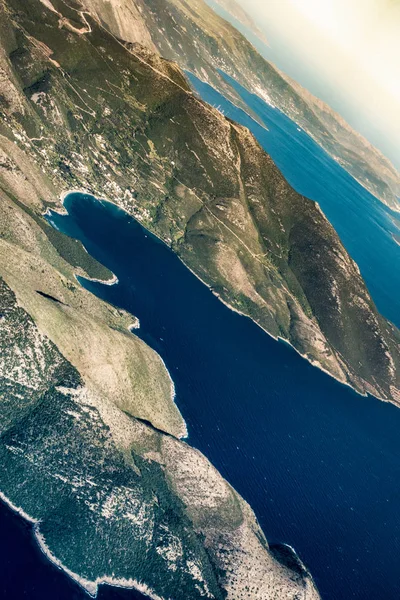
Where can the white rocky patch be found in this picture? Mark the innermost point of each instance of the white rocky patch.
(263, 94)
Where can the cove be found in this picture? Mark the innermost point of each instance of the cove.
(364, 224)
(318, 463)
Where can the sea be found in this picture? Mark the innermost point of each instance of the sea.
(318, 463)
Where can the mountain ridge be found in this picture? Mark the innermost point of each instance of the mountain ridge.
(89, 430)
(82, 109)
(191, 34)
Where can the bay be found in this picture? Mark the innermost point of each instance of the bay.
(318, 463)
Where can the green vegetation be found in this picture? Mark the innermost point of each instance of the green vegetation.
(61, 463)
(114, 498)
(90, 442)
(70, 249)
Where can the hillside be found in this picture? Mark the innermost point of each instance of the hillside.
(94, 113)
(91, 444)
(190, 33)
(91, 439)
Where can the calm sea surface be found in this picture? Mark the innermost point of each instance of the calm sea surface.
(319, 464)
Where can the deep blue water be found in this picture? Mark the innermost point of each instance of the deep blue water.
(319, 464)
(363, 223)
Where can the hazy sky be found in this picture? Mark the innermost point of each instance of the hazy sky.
(349, 52)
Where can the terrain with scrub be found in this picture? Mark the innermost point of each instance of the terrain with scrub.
(91, 438)
(192, 34)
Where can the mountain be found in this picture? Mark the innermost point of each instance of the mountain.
(91, 442)
(138, 135)
(190, 33)
(234, 9)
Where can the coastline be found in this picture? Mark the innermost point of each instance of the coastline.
(113, 281)
(253, 117)
(184, 435)
(306, 130)
(280, 339)
(300, 562)
(17, 509)
(314, 364)
(91, 587)
(63, 211)
(396, 238)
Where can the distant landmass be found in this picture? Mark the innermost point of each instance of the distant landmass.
(239, 14)
(359, 157)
